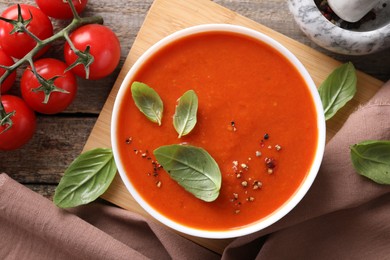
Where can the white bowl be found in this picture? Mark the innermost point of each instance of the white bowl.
(304, 187)
(371, 38)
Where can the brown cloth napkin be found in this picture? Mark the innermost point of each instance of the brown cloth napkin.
(343, 216)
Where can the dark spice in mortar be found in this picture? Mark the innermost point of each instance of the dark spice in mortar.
(326, 11)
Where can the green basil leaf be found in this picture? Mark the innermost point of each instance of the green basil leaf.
(148, 101)
(185, 119)
(88, 177)
(337, 89)
(193, 168)
(372, 160)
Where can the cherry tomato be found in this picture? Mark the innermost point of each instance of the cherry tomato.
(58, 101)
(104, 47)
(60, 9)
(9, 81)
(23, 123)
(19, 44)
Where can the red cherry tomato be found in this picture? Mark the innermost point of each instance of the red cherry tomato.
(9, 81)
(58, 101)
(60, 9)
(19, 44)
(23, 127)
(104, 47)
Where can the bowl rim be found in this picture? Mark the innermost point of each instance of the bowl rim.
(302, 189)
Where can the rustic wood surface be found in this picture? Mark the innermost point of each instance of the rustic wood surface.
(59, 139)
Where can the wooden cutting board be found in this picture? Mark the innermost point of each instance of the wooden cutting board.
(168, 16)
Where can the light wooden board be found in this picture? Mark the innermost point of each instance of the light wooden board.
(168, 16)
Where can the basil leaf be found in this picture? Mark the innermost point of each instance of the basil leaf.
(372, 160)
(193, 168)
(88, 177)
(184, 119)
(148, 101)
(337, 89)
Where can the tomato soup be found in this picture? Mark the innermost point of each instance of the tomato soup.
(256, 118)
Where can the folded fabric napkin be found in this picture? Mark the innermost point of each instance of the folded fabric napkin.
(343, 216)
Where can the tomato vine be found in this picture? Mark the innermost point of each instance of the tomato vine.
(20, 25)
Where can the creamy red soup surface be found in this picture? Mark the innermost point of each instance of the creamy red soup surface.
(256, 118)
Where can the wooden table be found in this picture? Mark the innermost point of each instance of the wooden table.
(60, 138)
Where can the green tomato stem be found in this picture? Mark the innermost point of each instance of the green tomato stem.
(75, 14)
(5, 118)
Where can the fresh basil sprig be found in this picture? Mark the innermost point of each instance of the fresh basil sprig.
(193, 168)
(184, 119)
(337, 89)
(88, 177)
(148, 101)
(372, 160)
